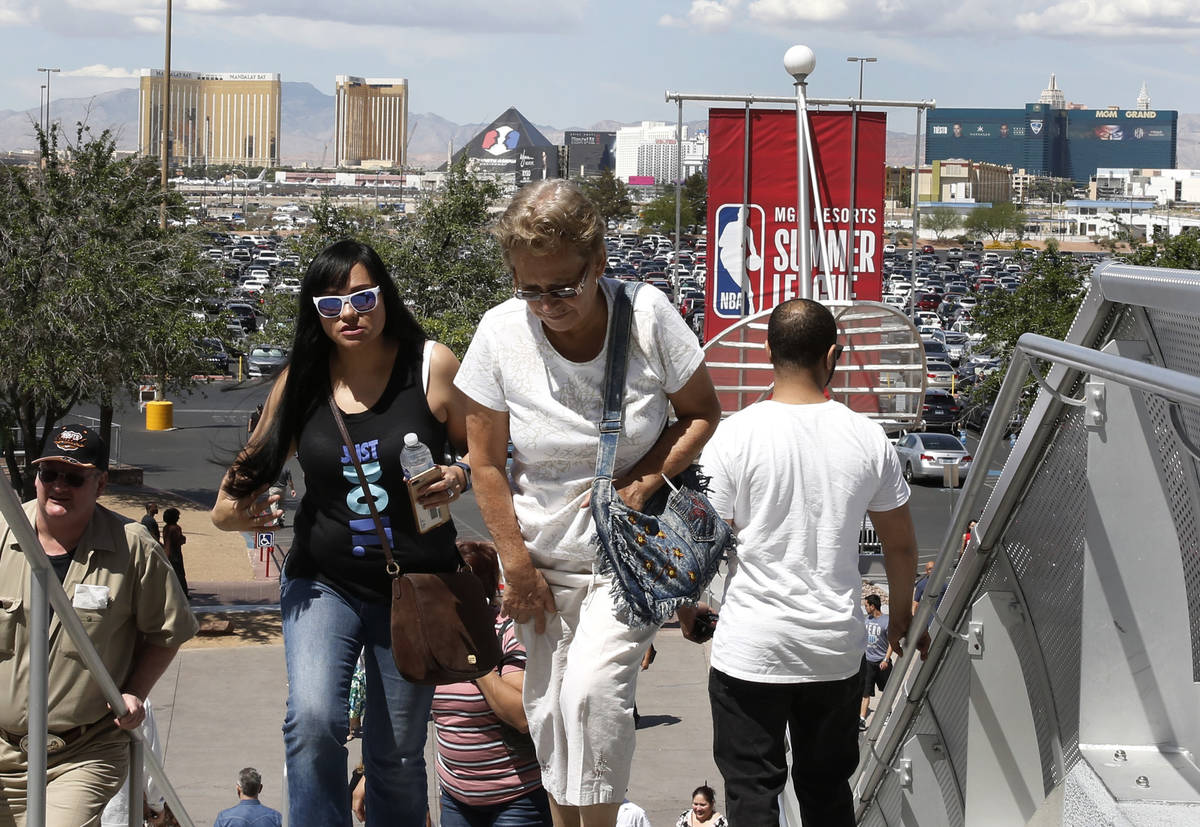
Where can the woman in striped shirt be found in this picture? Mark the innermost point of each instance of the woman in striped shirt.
(488, 773)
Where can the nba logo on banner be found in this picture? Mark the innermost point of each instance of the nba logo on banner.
(741, 235)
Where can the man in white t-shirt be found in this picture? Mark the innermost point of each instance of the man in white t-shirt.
(794, 476)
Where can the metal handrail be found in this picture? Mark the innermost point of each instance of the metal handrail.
(1172, 385)
(47, 586)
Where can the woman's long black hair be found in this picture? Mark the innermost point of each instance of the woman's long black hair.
(306, 384)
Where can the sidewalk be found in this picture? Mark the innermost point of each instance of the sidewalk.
(220, 705)
(222, 568)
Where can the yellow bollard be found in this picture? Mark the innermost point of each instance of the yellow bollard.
(160, 416)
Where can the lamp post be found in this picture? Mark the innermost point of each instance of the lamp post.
(42, 107)
(851, 253)
(799, 61)
(46, 126)
(164, 142)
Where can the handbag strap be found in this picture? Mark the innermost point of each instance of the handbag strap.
(392, 568)
(615, 367)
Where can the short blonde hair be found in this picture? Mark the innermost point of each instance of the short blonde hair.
(547, 217)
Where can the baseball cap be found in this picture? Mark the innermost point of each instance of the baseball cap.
(78, 445)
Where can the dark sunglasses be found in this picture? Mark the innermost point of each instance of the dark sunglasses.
(364, 301)
(560, 293)
(75, 479)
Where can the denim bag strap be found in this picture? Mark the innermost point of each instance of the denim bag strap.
(615, 367)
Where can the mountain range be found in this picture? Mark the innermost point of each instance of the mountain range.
(307, 128)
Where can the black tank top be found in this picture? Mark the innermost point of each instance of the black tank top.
(335, 537)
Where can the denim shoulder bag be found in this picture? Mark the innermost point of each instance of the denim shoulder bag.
(666, 555)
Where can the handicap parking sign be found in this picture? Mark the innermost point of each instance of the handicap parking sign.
(266, 539)
(741, 235)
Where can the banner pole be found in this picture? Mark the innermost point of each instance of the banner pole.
(804, 276)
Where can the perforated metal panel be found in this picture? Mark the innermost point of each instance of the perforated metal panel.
(948, 697)
(1178, 339)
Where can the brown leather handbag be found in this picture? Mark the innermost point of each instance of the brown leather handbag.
(443, 627)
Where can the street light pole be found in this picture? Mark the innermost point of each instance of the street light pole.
(851, 247)
(46, 126)
(799, 61)
(42, 107)
(166, 121)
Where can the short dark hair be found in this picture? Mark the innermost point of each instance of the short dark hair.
(800, 333)
(250, 782)
(171, 516)
(874, 600)
(707, 792)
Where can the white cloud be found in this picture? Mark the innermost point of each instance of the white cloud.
(1114, 18)
(710, 15)
(1111, 19)
(99, 70)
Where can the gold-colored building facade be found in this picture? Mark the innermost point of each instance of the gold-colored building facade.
(371, 121)
(216, 118)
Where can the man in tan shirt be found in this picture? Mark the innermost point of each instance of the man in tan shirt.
(125, 593)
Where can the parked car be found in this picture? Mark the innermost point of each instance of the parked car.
(244, 315)
(940, 411)
(215, 354)
(924, 455)
(264, 360)
(976, 417)
(938, 374)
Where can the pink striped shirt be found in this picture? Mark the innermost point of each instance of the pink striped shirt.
(474, 764)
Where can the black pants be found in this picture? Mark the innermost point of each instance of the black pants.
(748, 745)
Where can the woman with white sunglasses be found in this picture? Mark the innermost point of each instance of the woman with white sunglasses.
(356, 341)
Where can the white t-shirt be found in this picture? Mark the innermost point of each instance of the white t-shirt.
(796, 480)
(554, 407)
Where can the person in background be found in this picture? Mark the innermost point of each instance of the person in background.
(150, 523)
(252, 423)
(631, 815)
(249, 811)
(172, 543)
(877, 658)
(920, 586)
(283, 482)
(703, 812)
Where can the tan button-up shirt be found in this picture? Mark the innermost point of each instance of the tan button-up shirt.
(144, 601)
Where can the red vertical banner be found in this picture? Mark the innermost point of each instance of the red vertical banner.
(752, 252)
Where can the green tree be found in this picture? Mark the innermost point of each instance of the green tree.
(1046, 303)
(941, 220)
(1181, 252)
(659, 215)
(695, 192)
(609, 194)
(93, 296)
(994, 221)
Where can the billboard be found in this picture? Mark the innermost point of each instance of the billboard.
(754, 244)
(1120, 138)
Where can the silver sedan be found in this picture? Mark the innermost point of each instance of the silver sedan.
(925, 456)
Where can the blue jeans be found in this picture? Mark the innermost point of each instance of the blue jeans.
(323, 634)
(531, 810)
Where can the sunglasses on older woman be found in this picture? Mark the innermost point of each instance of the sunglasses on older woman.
(364, 301)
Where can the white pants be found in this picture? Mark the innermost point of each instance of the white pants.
(580, 679)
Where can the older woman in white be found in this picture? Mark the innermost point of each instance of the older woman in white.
(534, 374)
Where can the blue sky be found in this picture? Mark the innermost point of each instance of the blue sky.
(575, 62)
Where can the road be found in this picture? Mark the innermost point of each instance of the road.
(210, 426)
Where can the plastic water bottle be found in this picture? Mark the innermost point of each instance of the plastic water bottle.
(415, 457)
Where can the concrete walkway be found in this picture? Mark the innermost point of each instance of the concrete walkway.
(220, 708)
